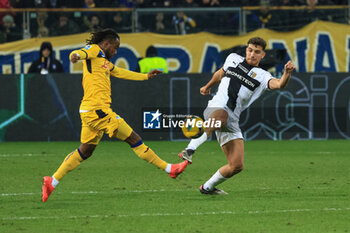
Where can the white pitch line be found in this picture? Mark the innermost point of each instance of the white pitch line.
(296, 152)
(130, 191)
(23, 155)
(97, 192)
(157, 191)
(178, 214)
(17, 194)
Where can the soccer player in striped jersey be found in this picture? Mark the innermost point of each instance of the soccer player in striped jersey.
(241, 81)
(96, 115)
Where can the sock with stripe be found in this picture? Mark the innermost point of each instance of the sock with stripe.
(147, 154)
(71, 162)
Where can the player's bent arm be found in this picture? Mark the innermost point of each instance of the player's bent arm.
(77, 55)
(127, 74)
(88, 52)
(276, 83)
(284, 80)
(216, 79)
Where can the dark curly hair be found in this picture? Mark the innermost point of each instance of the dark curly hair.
(103, 34)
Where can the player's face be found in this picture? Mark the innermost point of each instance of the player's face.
(111, 48)
(254, 54)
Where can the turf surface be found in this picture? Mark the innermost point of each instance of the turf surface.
(287, 186)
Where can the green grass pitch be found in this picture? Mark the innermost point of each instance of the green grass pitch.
(287, 186)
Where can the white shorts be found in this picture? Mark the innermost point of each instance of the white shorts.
(228, 132)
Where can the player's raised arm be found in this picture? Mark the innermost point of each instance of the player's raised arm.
(127, 74)
(283, 81)
(89, 51)
(217, 76)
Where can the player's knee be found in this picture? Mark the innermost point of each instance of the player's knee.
(87, 154)
(86, 150)
(215, 126)
(133, 139)
(218, 118)
(235, 168)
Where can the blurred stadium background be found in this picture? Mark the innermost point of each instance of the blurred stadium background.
(313, 34)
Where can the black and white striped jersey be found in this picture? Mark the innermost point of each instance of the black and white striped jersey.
(241, 85)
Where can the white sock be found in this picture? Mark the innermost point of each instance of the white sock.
(168, 168)
(216, 179)
(195, 143)
(54, 182)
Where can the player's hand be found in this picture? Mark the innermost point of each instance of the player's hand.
(204, 90)
(289, 67)
(74, 58)
(154, 73)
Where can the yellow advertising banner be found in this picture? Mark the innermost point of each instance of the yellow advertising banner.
(319, 46)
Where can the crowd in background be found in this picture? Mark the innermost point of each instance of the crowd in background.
(43, 24)
(159, 3)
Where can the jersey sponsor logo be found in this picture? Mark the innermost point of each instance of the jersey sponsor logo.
(246, 81)
(245, 70)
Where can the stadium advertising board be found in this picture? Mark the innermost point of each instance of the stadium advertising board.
(46, 108)
(318, 47)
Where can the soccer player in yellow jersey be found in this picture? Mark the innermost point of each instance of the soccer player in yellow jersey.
(95, 112)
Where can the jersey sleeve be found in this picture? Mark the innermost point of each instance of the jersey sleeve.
(88, 52)
(267, 77)
(127, 74)
(232, 59)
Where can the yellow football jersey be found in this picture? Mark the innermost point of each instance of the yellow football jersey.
(96, 77)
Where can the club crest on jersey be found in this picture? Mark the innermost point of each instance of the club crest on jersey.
(105, 65)
(252, 74)
(87, 47)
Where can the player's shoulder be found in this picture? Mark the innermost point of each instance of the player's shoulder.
(261, 70)
(233, 60)
(261, 73)
(92, 47)
(235, 57)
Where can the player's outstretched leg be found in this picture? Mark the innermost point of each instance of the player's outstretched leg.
(127, 134)
(147, 154)
(71, 162)
(218, 115)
